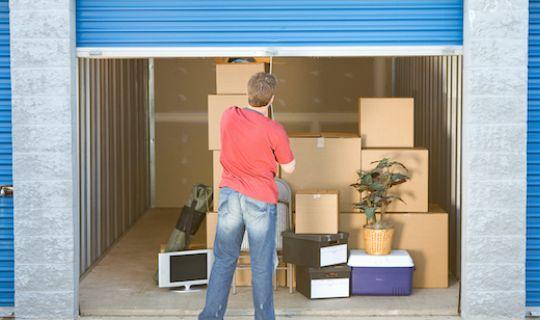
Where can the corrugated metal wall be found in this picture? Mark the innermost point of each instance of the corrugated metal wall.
(533, 159)
(114, 151)
(207, 23)
(6, 164)
(436, 85)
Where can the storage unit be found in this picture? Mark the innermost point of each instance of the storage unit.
(326, 161)
(196, 117)
(217, 104)
(321, 283)
(388, 275)
(423, 235)
(192, 149)
(414, 192)
(315, 250)
(386, 122)
(207, 28)
(316, 211)
(232, 78)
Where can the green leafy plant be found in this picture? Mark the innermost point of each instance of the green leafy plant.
(373, 186)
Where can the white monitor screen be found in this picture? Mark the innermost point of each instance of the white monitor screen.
(188, 267)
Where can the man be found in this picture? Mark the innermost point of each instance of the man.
(251, 143)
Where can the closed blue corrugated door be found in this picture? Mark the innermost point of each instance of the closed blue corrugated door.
(533, 159)
(207, 23)
(6, 177)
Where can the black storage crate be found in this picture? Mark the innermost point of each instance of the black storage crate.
(315, 250)
(323, 283)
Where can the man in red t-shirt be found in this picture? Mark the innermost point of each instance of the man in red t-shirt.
(251, 144)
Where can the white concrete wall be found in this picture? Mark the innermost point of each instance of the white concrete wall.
(494, 159)
(44, 156)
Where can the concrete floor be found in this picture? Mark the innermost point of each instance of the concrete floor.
(121, 285)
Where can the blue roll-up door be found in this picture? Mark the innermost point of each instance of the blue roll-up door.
(238, 23)
(533, 159)
(6, 172)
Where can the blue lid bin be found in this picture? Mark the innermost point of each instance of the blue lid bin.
(389, 275)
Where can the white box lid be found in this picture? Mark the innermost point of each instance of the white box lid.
(396, 258)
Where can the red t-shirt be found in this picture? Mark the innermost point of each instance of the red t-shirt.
(251, 143)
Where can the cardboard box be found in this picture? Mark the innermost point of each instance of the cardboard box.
(423, 235)
(316, 211)
(327, 161)
(243, 275)
(211, 225)
(386, 122)
(217, 104)
(414, 192)
(232, 78)
(217, 170)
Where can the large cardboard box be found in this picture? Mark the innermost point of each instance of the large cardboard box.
(232, 78)
(316, 211)
(217, 104)
(423, 235)
(386, 122)
(327, 161)
(414, 192)
(243, 275)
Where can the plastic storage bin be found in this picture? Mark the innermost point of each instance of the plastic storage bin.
(389, 275)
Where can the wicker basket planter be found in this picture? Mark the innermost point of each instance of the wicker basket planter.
(378, 242)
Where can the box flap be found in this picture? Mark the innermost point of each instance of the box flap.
(396, 259)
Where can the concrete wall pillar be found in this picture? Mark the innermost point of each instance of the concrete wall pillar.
(44, 155)
(494, 159)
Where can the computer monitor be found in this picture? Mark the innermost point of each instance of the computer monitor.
(185, 268)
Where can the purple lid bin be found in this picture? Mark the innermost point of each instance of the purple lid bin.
(389, 275)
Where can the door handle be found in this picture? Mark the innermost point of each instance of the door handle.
(6, 190)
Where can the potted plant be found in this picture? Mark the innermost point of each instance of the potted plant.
(373, 186)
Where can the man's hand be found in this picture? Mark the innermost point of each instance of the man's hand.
(289, 167)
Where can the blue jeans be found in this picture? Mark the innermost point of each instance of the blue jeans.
(236, 213)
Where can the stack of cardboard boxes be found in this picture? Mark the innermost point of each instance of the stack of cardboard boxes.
(386, 126)
(231, 88)
(326, 165)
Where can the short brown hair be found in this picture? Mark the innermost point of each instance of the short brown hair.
(261, 89)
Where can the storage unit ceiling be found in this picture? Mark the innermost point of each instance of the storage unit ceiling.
(269, 24)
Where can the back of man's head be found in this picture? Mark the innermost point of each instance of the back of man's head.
(261, 88)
